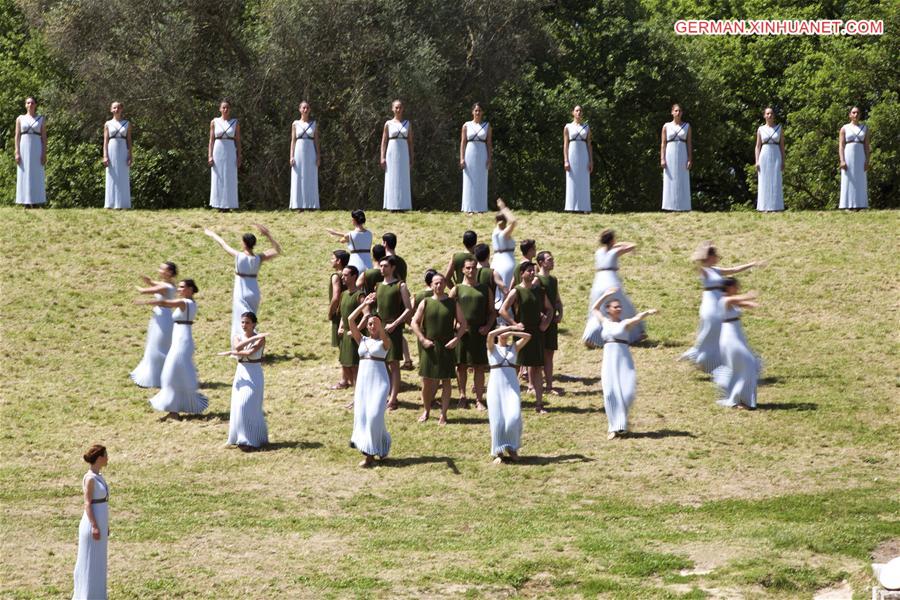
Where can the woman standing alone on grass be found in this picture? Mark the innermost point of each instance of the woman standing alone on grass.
(247, 424)
(246, 294)
(305, 161)
(397, 160)
(475, 151)
(578, 162)
(117, 159)
(854, 151)
(676, 159)
(31, 156)
(769, 164)
(93, 530)
(159, 330)
(224, 158)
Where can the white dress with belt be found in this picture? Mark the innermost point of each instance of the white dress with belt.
(769, 193)
(148, 373)
(606, 276)
(578, 178)
(30, 172)
(370, 436)
(179, 388)
(246, 296)
(118, 178)
(475, 174)
(618, 375)
(305, 173)
(247, 423)
(854, 187)
(223, 191)
(90, 566)
(504, 401)
(676, 177)
(397, 190)
(359, 245)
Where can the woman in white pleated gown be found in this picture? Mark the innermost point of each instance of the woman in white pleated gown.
(397, 160)
(31, 156)
(224, 158)
(503, 260)
(606, 276)
(676, 158)
(358, 240)
(159, 331)
(617, 375)
(246, 296)
(247, 423)
(738, 375)
(705, 351)
(305, 161)
(117, 159)
(179, 388)
(370, 435)
(854, 150)
(769, 164)
(504, 400)
(475, 154)
(93, 531)
(578, 161)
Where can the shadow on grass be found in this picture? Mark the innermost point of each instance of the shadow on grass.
(798, 406)
(210, 416)
(550, 460)
(454, 420)
(290, 445)
(270, 359)
(648, 343)
(554, 407)
(582, 380)
(658, 435)
(214, 385)
(769, 380)
(420, 460)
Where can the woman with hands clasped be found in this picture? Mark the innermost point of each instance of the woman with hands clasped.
(247, 424)
(618, 375)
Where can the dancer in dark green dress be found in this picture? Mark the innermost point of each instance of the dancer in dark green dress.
(394, 307)
(390, 247)
(477, 304)
(368, 278)
(551, 288)
(351, 297)
(454, 274)
(487, 275)
(439, 324)
(528, 248)
(339, 260)
(527, 304)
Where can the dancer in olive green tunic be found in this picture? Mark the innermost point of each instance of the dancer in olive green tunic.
(477, 304)
(339, 260)
(394, 307)
(439, 323)
(368, 278)
(390, 248)
(454, 273)
(551, 288)
(533, 310)
(349, 354)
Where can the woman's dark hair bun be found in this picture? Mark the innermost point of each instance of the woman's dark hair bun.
(93, 453)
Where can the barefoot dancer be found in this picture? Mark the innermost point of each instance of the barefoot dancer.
(551, 337)
(477, 304)
(348, 356)
(394, 307)
(504, 401)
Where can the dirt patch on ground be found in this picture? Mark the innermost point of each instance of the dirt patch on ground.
(886, 551)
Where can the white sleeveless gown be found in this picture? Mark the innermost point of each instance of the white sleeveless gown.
(179, 390)
(676, 177)
(30, 172)
(370, 435)
(397, 190)
(223, 191)
(769, 193)
(578, 179)
(305, 173)
(90, 566)
(118, 177)
(854, 185)
(148, 373)
(246, 296)
(247, 422)
(475, 175)
(504, 401)
(618, 375)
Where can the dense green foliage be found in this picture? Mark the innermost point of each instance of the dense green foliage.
(529, 62)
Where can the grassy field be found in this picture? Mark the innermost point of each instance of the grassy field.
(699, 502)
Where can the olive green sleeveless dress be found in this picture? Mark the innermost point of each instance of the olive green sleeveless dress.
(459, 261)
(401, 269)
(551, 286)
(419, 297)
(389, 306)
(529, 303)
(486, 277)
(336, 317)
(349, 354)
(437, 325)
(370, 278)
(473, 302)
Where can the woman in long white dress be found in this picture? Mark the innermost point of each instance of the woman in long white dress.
(578, 161)
(93, 530)
(370, 436)
(247, 423)
(476, 149)
(224, 158)
(358, 240)
(769, 164)
(705, 351)
(606, 277)
(31, 156)
(159, 331)
(179, 388)
(854, 150)
(676, 159)
(117, 159)
(503, 261)
(618, 375)
(306, 158)
(504, 401)
(739, 373)
(397, 160)
(246, 296)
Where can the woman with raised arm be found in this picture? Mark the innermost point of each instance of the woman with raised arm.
(618, 376)
(854, 151)
(475, 153)
(370, 435)
(93, 530)
(503, 261)
(503, 394)
(397, 160)
(578, 161)
(606, 265)
(438, 324)
(769, 164)
(178, 382)
(739, 372)
(246, 297)
(676, 152)
(705, 352)
(358, 240)
(247, 423)
(117, 159)
(31, 156)
(306, 158)
(159, 331)
(224, 158)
